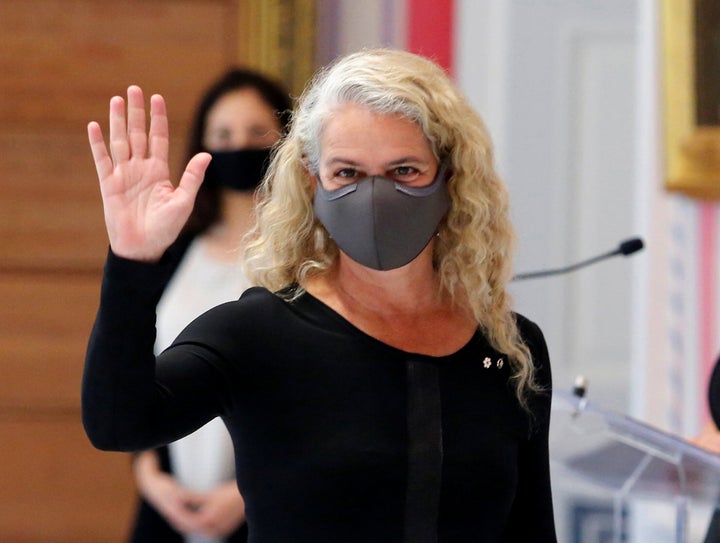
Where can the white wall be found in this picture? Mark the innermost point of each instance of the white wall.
(571, 92)
(556, 83)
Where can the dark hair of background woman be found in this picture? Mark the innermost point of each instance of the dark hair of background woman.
(207, 204)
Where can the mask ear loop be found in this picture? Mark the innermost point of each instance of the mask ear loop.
(443, 175)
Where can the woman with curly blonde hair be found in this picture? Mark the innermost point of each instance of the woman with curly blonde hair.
(377, 385)
(473, 252)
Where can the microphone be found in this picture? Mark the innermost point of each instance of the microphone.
(580, 386)
(626, 248)
(579, 390)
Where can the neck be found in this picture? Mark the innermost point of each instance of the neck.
(403, 308)
(237, 214)
(412, 287)
(237, 217)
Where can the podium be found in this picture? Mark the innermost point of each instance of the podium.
(631, 459)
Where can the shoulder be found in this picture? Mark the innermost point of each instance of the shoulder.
(258, 314)
(246, 325)
(530, 332)
(532, 336)
(254, 303)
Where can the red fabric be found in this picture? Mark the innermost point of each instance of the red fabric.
(430, 30)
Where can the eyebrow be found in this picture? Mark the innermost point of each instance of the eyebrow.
(340, 160)
(404, 160)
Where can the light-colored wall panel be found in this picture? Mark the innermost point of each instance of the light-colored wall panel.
(569, 133)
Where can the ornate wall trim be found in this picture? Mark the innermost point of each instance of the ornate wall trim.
(280, 39)
(692, 148)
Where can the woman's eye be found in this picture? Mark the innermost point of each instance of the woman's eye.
(347, 173)
(405, 171)
(222, 135)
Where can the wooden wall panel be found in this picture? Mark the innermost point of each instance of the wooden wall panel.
(60, 63)
(50, 208)
(46, 321)
(65, 58)
(57, 489)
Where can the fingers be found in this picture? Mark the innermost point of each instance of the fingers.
(128, 138)
(159, 133)
(222, 512)
(183, 519)
(103, 163)
(193, 175)
(127, 133)
(119, 148)
(136, 135)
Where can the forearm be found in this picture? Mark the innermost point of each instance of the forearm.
(119, 365)
(146, 469)
(130, 400)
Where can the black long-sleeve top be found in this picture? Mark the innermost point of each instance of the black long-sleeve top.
(338, 437)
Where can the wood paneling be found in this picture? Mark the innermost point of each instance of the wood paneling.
(46, 319)
(51, 212)
(60, 63)
(64, 59)
(56, 488)
(50, 201)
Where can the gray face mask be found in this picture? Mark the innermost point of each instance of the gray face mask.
(380, 223)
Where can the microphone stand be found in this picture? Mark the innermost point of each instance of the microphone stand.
(625, 248)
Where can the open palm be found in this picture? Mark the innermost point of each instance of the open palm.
(144, 211)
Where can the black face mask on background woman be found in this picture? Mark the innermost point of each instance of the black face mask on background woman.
(243, 169)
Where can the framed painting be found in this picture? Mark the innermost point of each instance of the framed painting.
(280, 39)
(691, 96)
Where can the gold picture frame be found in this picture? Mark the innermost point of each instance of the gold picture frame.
(691, 115)
(279, 38)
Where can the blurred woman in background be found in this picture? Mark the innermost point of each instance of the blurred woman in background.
(188, 489)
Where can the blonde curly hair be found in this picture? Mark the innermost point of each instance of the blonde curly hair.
(474, 249)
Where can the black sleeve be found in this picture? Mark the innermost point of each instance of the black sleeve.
(128, 402)
(532, 517)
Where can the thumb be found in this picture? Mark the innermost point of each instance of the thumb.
(194, 174)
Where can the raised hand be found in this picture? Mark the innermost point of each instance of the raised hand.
(144, 211)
